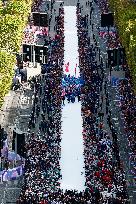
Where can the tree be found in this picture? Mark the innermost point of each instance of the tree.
(125, 19)
(13, 19)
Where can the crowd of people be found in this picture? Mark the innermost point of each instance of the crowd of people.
(128, 101)
(31, 33)
(71, 88)
(36, 4)
(111, 39)
(103, 5)
(104, 175)
(105, 178)
(42, 169)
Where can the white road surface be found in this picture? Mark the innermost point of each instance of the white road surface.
(72, 160)
(71, 40)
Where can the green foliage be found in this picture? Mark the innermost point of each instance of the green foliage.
(17, 7)
(13, 19)
(7, 62)
(125, 18)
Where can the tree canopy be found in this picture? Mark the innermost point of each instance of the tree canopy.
(13, 19)
(125, 19)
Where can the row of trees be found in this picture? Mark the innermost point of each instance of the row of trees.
(13, 19)
(125, 18)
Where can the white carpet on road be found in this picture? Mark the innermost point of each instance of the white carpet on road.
(71, 40)
(72, 160)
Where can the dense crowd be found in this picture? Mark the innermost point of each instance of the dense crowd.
(127, 98)
(31, 33)
(105, 178)
(42, 169)
(111, 39)
(36, 4)
(128, 106)
(103, 5)
(71, 88)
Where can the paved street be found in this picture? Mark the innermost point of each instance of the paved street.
(9, 191)
(17, 107)
(15, 111)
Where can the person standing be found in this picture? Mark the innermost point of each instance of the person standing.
(73, 98)
(63, 96)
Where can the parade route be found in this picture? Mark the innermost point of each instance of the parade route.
(72, 160)
(71, 40)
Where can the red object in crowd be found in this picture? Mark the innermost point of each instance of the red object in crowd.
(110, 186)
(57, 36)
(91, 190)
(63, 93)
(97, 174)
(44, 202)
(67, 67)
(101, 125)
(101, 163)
(84, 130)
(107, 172)
(106, 179)
(75, 70)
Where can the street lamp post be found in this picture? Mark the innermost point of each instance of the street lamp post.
(16, 149)
(131, 199)
(33, 55)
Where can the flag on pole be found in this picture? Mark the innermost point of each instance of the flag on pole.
(75, 71)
